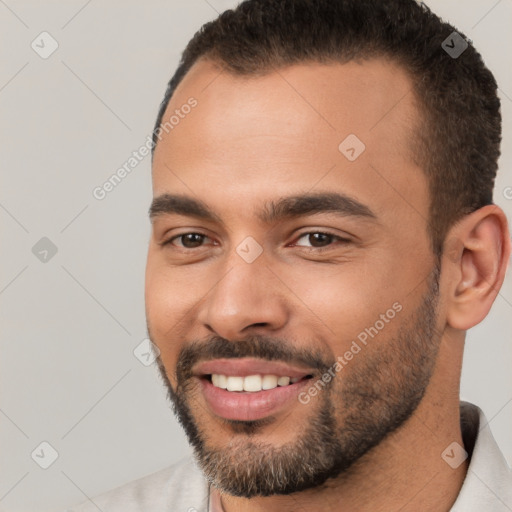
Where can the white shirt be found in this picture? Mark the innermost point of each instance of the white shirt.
(183, 488)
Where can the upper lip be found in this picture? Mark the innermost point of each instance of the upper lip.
(242, 367)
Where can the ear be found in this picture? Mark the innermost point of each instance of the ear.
(475, 257)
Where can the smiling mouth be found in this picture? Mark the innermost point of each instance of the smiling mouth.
(252, 383)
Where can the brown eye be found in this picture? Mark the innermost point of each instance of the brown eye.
(317, 239)
(320, 239)
(189, 240)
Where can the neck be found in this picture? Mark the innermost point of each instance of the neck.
(403, 473)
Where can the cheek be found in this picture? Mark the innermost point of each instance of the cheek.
(354, 302)
(171, 293)
(167, 313)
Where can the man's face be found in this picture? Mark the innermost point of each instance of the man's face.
(271, 278)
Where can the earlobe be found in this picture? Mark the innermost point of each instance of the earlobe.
(476, 258)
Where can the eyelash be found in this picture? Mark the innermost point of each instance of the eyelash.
(301, 235)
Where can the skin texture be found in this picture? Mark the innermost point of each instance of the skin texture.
(256, 139)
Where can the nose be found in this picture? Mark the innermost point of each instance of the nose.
(247, 297)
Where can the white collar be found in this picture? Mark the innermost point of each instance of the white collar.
(488, 483)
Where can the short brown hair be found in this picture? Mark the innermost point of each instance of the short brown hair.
(458, 145)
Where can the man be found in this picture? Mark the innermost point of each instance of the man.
(323, 237)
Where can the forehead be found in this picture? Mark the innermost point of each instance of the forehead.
(289, 131)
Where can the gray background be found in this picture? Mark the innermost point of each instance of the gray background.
(70, 324)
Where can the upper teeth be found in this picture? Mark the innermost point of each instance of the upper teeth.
(251, 382)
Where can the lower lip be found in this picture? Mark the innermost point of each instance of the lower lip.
(250, 406)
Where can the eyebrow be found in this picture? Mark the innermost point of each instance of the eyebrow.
(284, 208)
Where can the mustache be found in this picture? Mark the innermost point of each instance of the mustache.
(256, 346)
